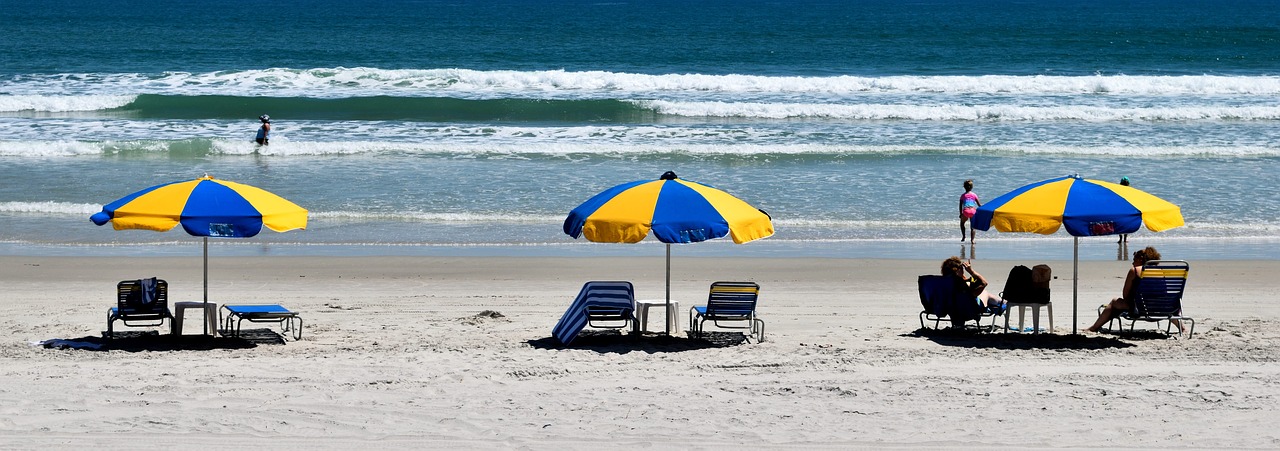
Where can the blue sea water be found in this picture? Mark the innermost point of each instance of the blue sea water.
(473, 127)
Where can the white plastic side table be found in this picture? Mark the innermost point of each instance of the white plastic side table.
(642, 313)
(210, 315)
(1022, 311)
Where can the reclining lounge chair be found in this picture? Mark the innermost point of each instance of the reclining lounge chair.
(729, 302)
(140, 303)
(942, 302)
(603, 304)
(1159, 296)
(263, 313)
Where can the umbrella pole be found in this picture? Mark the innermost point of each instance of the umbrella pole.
(205, 323)
(1075, 283)
(667, 312)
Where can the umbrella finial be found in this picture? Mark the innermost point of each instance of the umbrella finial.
(669, 175)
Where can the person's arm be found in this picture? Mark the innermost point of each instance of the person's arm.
(982, 281)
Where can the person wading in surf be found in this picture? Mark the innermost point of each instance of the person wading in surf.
(264, 132)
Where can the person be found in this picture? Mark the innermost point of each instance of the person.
(1125, 302)
(264, 131)
(969, 204)
(973, 283)
(1124, 237)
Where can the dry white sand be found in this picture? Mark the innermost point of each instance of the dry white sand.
(392, 356)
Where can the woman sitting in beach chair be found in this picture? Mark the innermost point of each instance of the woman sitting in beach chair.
(974, 284)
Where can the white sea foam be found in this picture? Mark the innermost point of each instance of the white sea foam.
(360, 81)
(956, 112)
(50, 208)
(62, 103)
(548, 146)
(445, 218)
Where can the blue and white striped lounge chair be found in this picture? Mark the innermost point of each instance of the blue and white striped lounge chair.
(605, 304)
(1158, 296)
(729, 302)
(262, 313)
(140, 303)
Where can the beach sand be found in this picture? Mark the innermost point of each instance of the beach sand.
(394, 355)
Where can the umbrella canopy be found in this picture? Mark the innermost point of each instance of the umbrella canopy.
(674, 210)
(1084, 207)
(205, 207)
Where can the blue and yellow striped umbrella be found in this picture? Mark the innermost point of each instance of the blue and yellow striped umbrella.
(205, 207)
(1084, 207)
(674, 210)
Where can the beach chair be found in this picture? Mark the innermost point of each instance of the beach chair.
(232, 316)
(942, 302)
(1027, 288)
(602, 304)
(1158, 296)
(140, 303)
(729, 303)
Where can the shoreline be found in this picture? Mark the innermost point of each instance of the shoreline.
(395, 353)
(1024, 247)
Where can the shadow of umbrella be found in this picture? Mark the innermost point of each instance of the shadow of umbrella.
(1084, 207)
(205, 207)
(674, 210)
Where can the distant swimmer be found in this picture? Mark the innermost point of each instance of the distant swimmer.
(264, 132)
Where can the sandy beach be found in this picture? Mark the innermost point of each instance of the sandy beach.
(393, 354)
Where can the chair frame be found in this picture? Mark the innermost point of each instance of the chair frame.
(729, 302)
(1158, 297)
(236, 315)
(135, 316)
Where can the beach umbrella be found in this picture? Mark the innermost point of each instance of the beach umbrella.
(1084, 207)
(674, 210)
(205, 207)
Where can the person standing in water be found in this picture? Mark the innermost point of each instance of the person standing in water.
(1124, 237)
(969, 204)
(264, 131)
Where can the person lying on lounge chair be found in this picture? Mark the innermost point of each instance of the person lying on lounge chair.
(972, 283)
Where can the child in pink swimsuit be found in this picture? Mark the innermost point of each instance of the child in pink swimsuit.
(969, 204)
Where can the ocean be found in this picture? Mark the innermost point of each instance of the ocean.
(473, 127)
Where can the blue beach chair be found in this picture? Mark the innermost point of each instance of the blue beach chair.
(1158, 296)
(604, 304)
(729, 302)
(140, 303)
(261, 313)
(942, 302)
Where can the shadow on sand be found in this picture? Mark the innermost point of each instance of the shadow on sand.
(131, 341)
(969, 338)
(612, 341)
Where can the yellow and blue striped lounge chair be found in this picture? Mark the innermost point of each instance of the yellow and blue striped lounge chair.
(729, 302)
(1158, 296)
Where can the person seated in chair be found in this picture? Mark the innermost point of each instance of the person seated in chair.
(1125, 303)
(973, 283)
